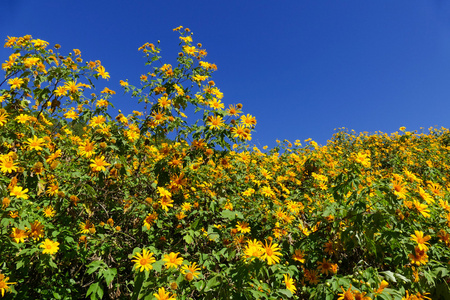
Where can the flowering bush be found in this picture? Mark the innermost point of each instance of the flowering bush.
(171, 202)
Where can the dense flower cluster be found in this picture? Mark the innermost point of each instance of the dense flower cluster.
(177, 205)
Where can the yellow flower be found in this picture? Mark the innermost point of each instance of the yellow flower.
(87, 227)
(87, 148)
(71, 114)
(253, 249)
(49, 246)
(421, 240)
(144, 261)
(19, 235)
(419, 257)
(248, 120)
(3, 118)
(7, 165)
(215, 122)
(172, 260)
(299, 255)
(49, 212)
(347, 294)
(162, 295)
(99, 164)
(289, 282)
(190, 269)
(35, 143)
(15, 83)
(4, 284)
(101, 71)
(19, 192)
(271, 253)
(243, 227)
(37, 230)
(422, 208)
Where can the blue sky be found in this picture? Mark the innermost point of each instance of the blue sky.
(303, 68)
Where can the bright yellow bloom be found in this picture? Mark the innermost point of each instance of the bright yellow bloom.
(101, 71)
(19, 192)
(143, 261)
(248, 120)
(289, 282)
(4, 284)
(87, 148)
(347, 294)
(15, 83)
(422, 208)
(49, 246)
(172, 260)
(99, 164)
(49, 212)
(191, 269)
(35, 143)
(253, 249)
(87, 227)
(3, 118)
(215, 122)
(71, 114)
(271, 253)
(243, 227)
(19, 235)
(7, 165)
(421, 240)
(419, 257)
(162, 295)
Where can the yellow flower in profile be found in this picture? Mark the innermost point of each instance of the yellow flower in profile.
(19, 192)
(270, 252)
(101, 71)
(289, 282)
(422, 208)
(99, 164)
(162, 295)
(421, 240)
(299, 255)
(49, 246)
(143, 262)
(399, 188)
(37, 230)
(172, 260)
(19, 235)
(4, 284)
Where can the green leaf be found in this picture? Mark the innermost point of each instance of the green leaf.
(188, 239)
(138, 281)
(212, 283)
(109, 275)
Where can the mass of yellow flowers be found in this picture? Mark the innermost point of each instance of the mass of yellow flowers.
(169, 204)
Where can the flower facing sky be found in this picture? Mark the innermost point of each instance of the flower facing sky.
(172, 260)
(50, 247)
(143, 262)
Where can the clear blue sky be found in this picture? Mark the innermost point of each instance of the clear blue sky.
(302, 67)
